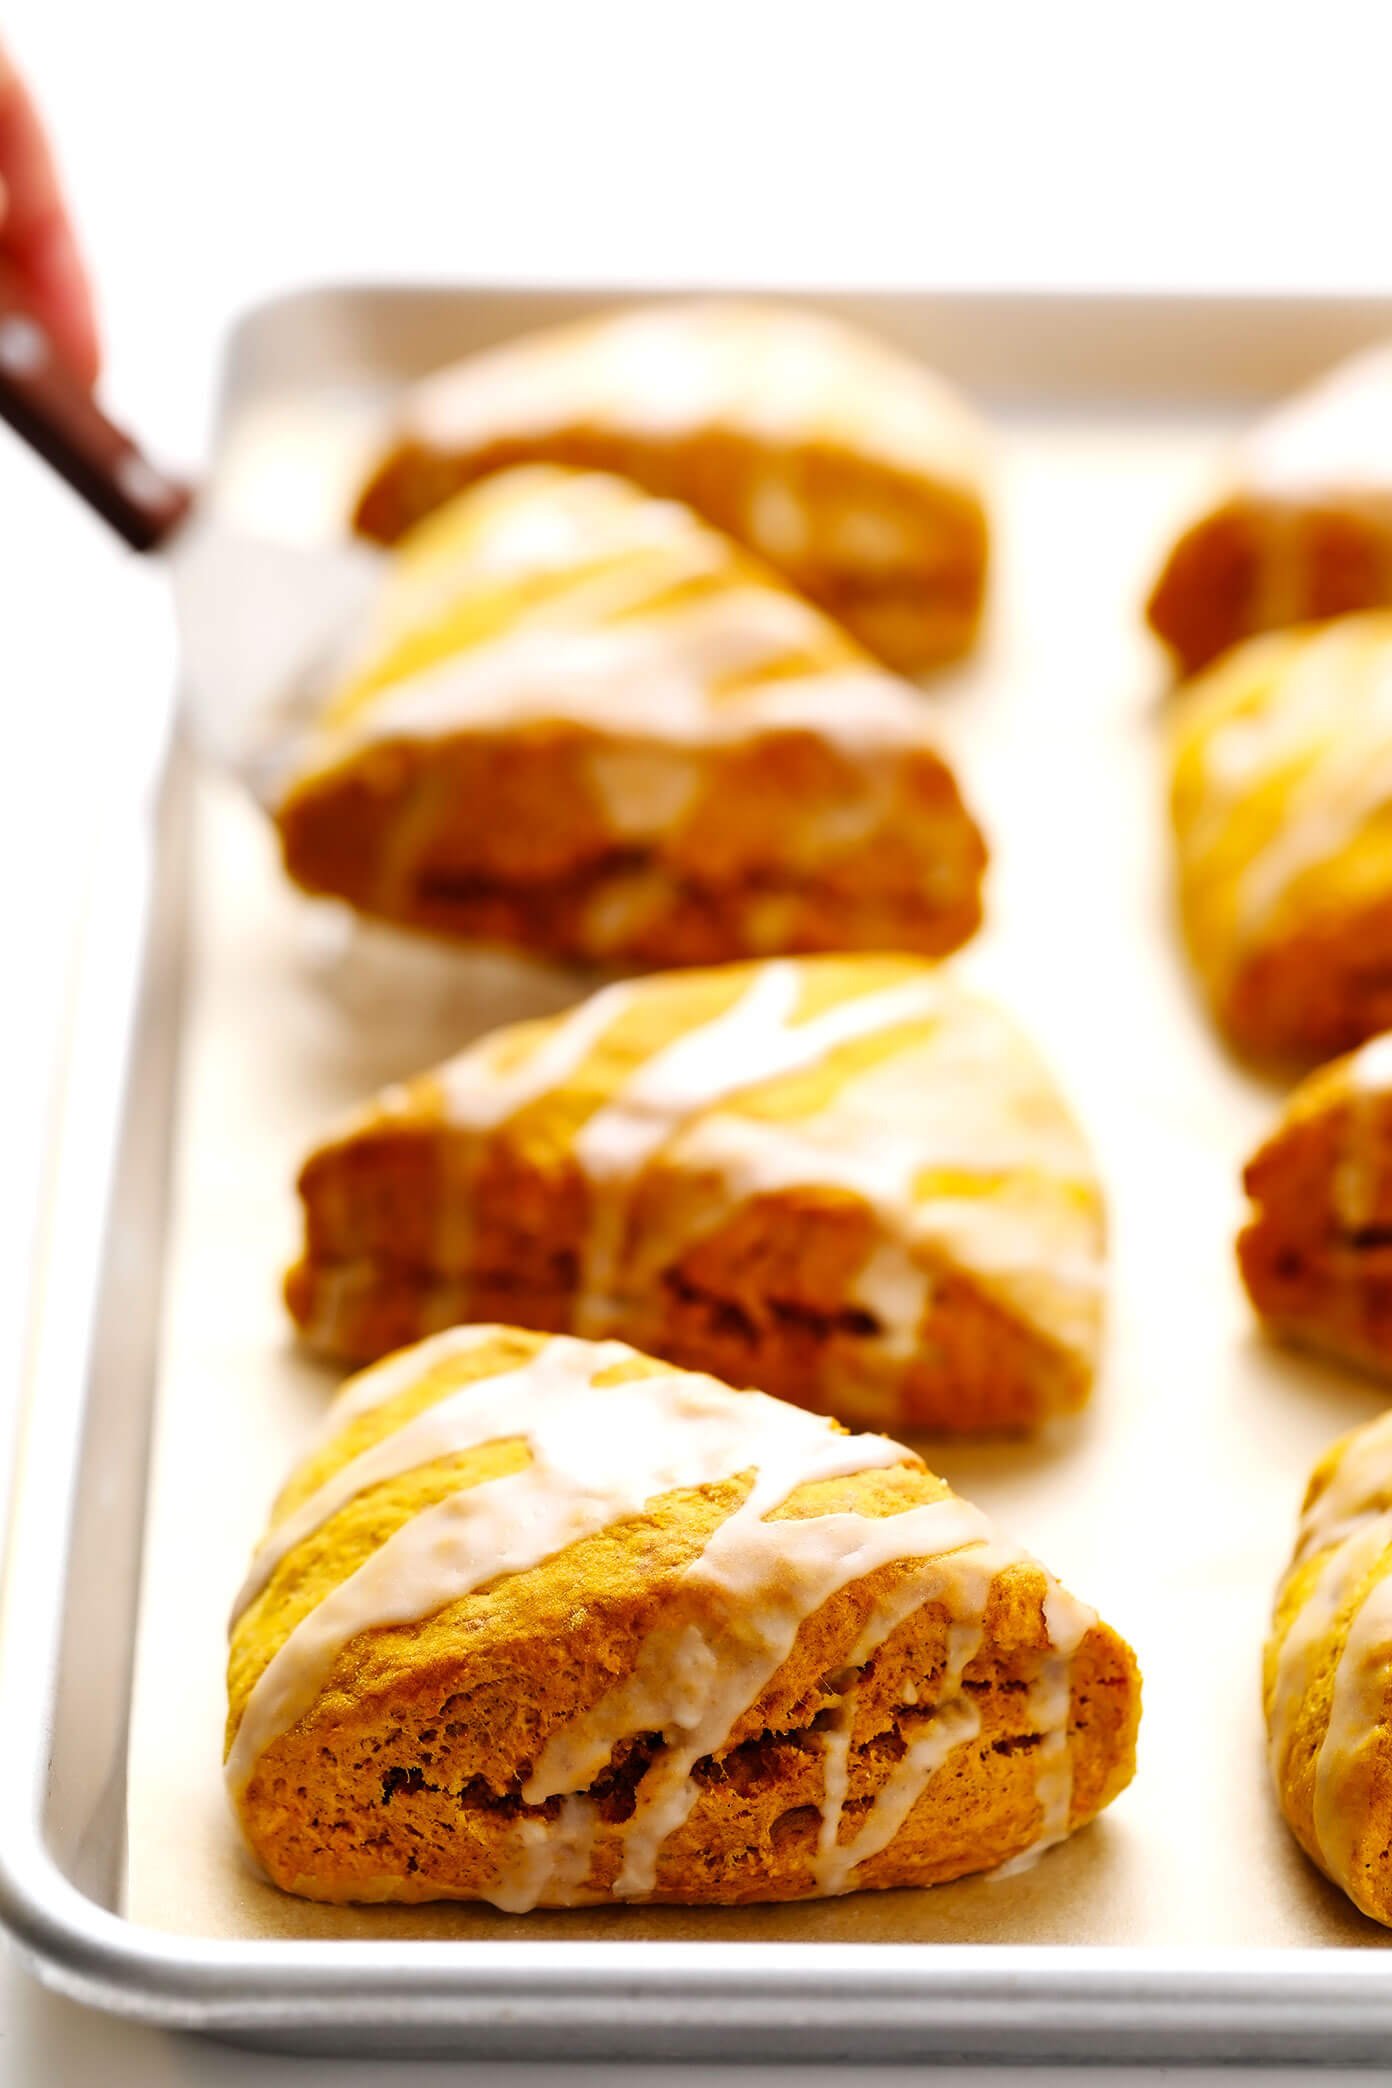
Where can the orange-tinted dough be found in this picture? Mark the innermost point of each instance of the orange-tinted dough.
(588, 726)
(1316, 1252)
(843, 463)
(1328, 1679)
(1282, 805)
(542, 1623)
(1303, 531)
(843, 1179)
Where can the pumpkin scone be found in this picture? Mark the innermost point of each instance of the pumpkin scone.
(1316, 1253)
(843, 462)
(842, 1179)
(588, 726)
(1282, 806)
(542, 1622)
(1303, 529)
(1328, 1680)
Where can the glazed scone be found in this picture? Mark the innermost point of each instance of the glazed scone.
(841, 461)
(842, 1179)
(1303, 530)
(1282, 805)
(1328, 1684)
(588, 726)
(1316, 1253)
(541, 1622)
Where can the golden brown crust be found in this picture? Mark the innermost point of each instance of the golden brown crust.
(916, 616)
(389, 1787)
(1259, 563)
(415, 1220)
(1316, 1251)
(1327, 1689)
(1316, 989)
(980, 1373)
(890, 539)
(511, 847)
(1281, 797)
(585, 724)
(405, 1774)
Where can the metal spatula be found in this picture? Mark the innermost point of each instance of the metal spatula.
(259, 622)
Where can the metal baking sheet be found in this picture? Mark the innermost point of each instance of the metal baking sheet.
(220, 1021)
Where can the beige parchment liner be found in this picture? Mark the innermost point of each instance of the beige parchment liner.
(1170, 1506)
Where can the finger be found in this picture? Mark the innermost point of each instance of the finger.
(35, 234)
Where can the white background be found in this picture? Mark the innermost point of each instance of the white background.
(218, 152)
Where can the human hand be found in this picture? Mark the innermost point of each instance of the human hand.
(36, 237)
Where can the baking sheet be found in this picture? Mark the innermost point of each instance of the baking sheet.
(1170, 1505)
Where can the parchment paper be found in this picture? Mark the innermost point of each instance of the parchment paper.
(1170, 1505)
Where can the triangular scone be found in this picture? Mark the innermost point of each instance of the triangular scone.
(542, 1622)
(842, 1179)
(1328, 1684)
(588, 726)
(1282, 804)
(841, 461)
(1316, 1253)
(1303, 529)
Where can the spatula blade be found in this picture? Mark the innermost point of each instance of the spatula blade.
(262, 626)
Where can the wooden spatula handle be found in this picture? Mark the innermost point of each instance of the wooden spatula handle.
(57, 416)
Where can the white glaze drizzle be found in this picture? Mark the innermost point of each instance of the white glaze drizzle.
(1359, 1171)
(896, 1287)
(553, 1858)
(954, 1720)
(754, 1040)
(1350, 1523)
(1370, 1068)
(397, 1373)
(612, 647)
(783, 375)
(1348, 779)
(1050, 1701)
(1359, 1485)
(1356, 1725)
(478, 1096)
(693, 1683)
(963, 1094)
(1351, 1557)
(1321, 732)
(950, 1727)
(460, 1421)
(654, 1434)
(651, 678)
(597, 1456)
